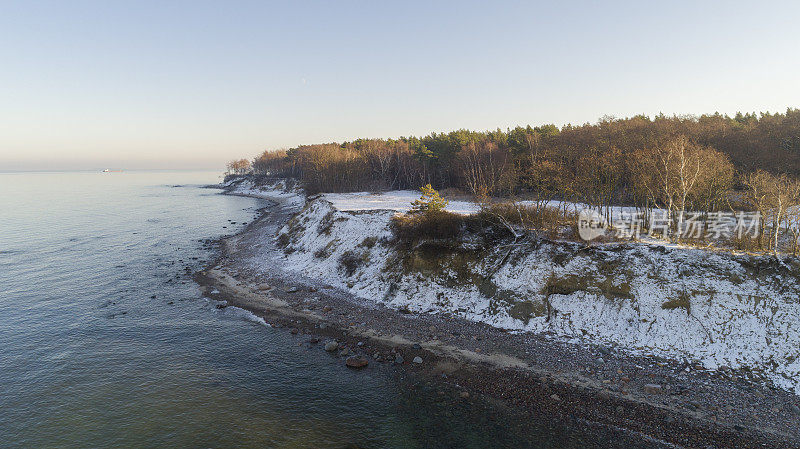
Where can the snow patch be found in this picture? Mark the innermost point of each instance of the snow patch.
(397, 200)
(283, 191)
(713, 308)
(717, 309)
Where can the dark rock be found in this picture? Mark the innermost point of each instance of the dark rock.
(294, 331)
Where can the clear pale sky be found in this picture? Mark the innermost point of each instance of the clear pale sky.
(172, 84)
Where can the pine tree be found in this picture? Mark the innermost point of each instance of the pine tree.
(430, 201)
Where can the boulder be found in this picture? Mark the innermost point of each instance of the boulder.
(356, 361)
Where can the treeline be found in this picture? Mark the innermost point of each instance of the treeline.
(603, 158)
(678, 163)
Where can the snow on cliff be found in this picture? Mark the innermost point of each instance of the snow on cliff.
(714, 308)
(283, 191)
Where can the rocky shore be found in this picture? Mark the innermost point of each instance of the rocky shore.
(655, 401)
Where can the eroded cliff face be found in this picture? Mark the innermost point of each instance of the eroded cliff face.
(717, 309)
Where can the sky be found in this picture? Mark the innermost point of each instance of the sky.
(193, 84)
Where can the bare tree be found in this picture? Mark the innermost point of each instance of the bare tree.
(486, 168)
(678, 174)
(758, 196)
(793, 215)
(239, 167)
(774, 197)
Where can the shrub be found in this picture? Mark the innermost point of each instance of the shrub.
(326, 251)
(744, 243)
(555, 222)
(368, 242)
(326, 224)
(352, 260)
(283, 240)
(429, 225)
(683, 301)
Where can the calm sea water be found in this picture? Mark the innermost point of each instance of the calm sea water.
(104, 341)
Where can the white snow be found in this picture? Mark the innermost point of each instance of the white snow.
(280, 191)
(397, 200)
(738, 317)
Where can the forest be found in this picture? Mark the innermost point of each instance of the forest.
(677, 163)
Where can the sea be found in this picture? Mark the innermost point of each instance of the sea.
(105, 340)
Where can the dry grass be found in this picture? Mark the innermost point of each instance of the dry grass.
(573, 283)
(428, 225)
(498, 218)
(352, 261)
(368, 242)
(683, 301)
(553, 223)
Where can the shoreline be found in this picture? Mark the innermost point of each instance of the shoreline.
(584, 384)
